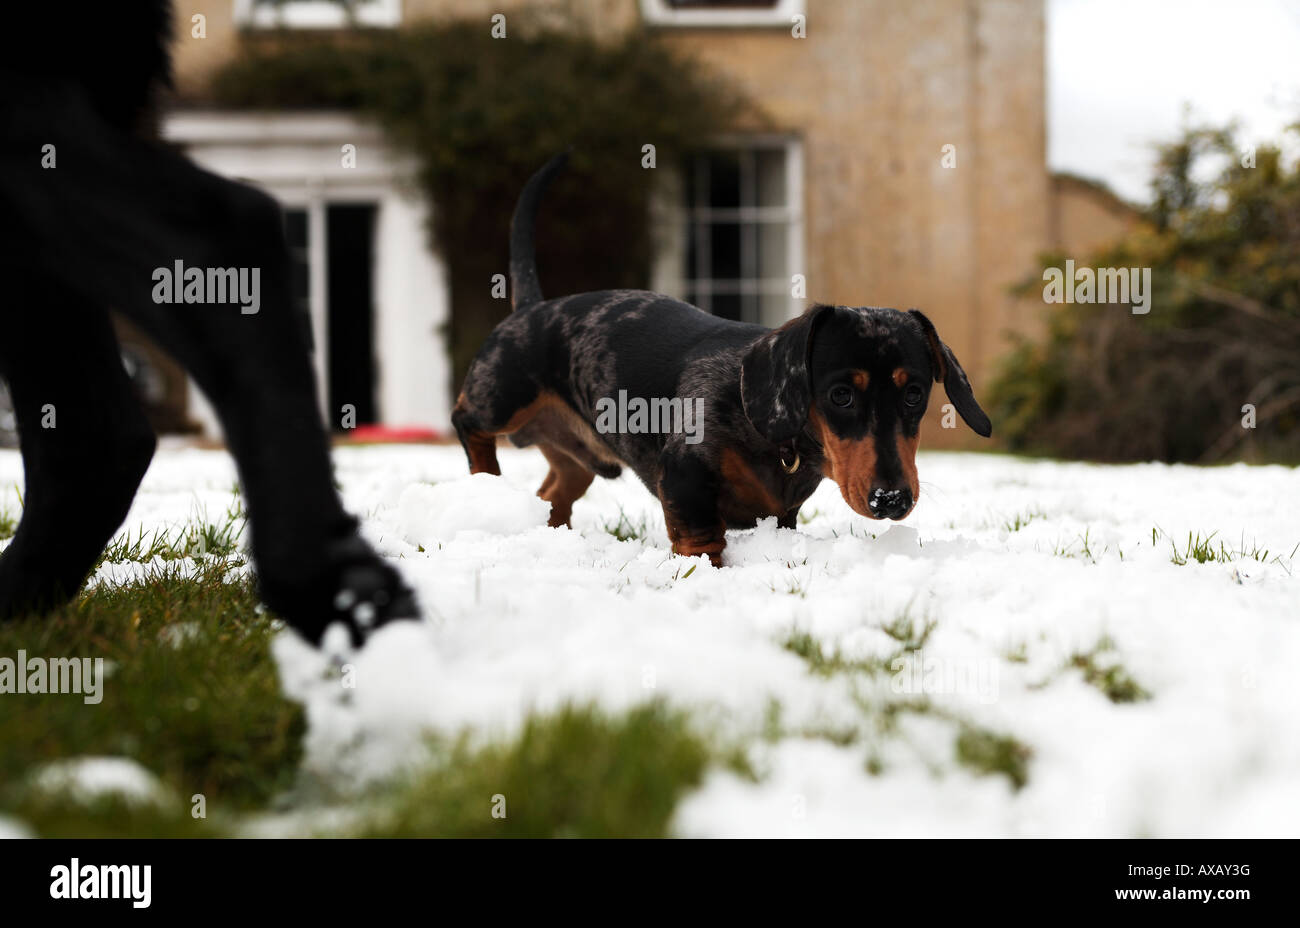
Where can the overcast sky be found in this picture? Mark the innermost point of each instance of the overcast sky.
(1120, 72)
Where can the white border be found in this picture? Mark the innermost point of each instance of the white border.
(659, 13)
(316, 14)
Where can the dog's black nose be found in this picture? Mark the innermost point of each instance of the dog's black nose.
(890, 504)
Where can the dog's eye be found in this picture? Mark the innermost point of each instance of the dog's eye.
(913, 395)
(841, 395)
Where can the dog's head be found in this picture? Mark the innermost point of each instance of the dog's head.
(858, 379)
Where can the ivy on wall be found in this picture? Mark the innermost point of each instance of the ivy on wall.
(482, 113)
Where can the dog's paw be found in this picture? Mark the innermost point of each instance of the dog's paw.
(354, 588)
(368, 596)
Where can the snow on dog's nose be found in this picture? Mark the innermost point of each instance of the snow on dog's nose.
(889, 504)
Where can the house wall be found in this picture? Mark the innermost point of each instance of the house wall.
(1086, 217)
(875, 91)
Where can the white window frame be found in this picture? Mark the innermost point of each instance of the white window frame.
(660, 13)
(316, 14)
(295, 156)
(673, 217)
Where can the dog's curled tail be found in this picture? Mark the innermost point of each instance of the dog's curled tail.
(525, 288)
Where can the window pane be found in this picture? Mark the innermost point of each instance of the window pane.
(770, 172)
(349, 262)
(724, 180)
(724, 242)
(772, 237)
(726, 305)
(775, 307)
(692, 239)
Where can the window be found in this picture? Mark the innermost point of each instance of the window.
(372, 296)
(736, 235)
(721, 12)
(317, 14)
(339, 260)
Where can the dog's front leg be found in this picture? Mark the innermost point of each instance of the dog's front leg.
(688, 490)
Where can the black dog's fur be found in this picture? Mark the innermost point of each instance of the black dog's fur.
(87, 236)
(837, 392)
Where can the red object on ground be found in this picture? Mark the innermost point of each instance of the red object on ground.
(392, 434)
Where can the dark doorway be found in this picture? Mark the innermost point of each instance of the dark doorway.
(349, 262)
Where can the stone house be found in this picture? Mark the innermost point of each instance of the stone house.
(907, 168)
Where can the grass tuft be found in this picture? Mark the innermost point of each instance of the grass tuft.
(576, 773)
(1020, 520)
(624, 529)
(193, 696)
(1108, 676)
(1203, 549)
(986, 752)
(198, 539)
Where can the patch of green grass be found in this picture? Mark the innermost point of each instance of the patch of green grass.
(107, 816)
(790, 586)
(982, 750)
(1081, 548)
(1020, 520)
(8, 524)
(193, 696)
(576, 773)
(986, 752)
(624, 529)
(1108, 676)
(826, 663)
(910, 633)
(1203, 549)
(198, 539)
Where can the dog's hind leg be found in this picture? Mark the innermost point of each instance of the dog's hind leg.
(480, 444)
(564, 484)
(85, 445)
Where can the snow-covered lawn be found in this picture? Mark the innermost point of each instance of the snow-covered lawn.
(1029, 618)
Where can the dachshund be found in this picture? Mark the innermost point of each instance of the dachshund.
(837, 392)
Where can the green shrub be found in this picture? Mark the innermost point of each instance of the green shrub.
(1223, 329)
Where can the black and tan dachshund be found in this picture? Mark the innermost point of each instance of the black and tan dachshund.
(93, 211)
(838, 392)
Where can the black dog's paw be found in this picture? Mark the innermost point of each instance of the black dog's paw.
(368, 596)
(356, 589)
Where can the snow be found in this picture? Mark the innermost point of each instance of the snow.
(12, 829)
(522, 618)
(85, 779)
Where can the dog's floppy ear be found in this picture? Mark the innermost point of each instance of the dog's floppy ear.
(955, 384)
(775, 385)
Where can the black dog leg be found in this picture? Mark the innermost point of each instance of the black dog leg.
(85, 443)
(114, 213)
(689, 494)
